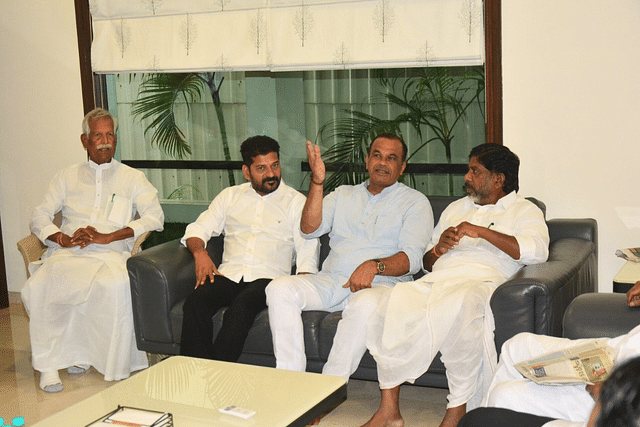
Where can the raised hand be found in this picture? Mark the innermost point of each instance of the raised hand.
(315, 163)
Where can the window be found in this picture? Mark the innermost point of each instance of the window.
(291, 107)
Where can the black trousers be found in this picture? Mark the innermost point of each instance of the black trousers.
(499, 417)
(245, 300)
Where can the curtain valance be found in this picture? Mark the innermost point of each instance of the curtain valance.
(278, 35)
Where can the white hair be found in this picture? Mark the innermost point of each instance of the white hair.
(96, 114)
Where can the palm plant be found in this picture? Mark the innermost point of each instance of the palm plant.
(157, 98)
(432, 104)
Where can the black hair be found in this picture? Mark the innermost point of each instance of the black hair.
(620, 396)
(256, 146)
(497, 158)
(391, 136)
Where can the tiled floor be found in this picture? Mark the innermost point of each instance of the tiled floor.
(20, 394)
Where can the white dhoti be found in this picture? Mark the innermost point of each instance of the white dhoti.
(80, 314)
(510, 390)
(447, 311)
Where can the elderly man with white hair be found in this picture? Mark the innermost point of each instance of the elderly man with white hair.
(79, 300)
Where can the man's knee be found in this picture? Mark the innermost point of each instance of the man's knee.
(363, 302)
(283, 290)
(515, 344)
(244, 308)
(507, 394)
(193, 303)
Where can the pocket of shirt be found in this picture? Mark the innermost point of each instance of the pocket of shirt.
(119, 210)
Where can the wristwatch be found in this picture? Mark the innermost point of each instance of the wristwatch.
(380, 266)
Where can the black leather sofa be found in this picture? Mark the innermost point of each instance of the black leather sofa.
(533, 300)
(597, 315)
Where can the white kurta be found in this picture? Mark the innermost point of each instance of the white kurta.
(79, 300)
(448, 310)
(567, 403)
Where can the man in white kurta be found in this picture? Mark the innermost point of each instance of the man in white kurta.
(566, 405)
(78, 300)
(510, 390)
(479, 242)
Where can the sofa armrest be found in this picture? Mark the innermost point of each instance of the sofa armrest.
(535, 298)
(597, 315)
(583, 228)
(160, 277)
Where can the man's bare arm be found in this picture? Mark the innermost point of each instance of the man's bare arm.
(312, 211)
(86, 236)
(452, 235)
(504, 242)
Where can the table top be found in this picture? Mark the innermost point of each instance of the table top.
(628, 275)
(193, 390)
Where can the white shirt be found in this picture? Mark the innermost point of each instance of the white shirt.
(105, 196)
(261, 233)
(512, 215)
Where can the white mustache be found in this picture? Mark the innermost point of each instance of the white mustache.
(101, 146)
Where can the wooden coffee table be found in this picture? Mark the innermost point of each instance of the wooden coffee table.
(193, 390)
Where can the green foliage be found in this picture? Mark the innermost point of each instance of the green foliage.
(432, 103)
(157, 99)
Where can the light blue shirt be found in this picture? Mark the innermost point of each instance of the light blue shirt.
(362, 226)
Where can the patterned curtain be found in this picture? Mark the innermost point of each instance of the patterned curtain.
(277, 35)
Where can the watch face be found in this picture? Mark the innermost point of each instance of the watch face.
(380, 267)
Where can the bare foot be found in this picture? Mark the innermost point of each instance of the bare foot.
(453, 415)
(383, 419)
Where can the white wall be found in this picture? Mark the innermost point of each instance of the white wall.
(572, 111)
(41, 112)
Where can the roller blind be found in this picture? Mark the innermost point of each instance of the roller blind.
(281, 35)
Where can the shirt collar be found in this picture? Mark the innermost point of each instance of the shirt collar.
(103, 166)
(384, 191)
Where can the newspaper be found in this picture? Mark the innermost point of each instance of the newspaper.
(630, 254)
(583, 364)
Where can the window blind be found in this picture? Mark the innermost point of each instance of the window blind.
(280, 35)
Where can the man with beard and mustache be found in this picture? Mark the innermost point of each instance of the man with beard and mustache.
(378, 232)
(480, 241)
(79, 300)
(260, 221)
